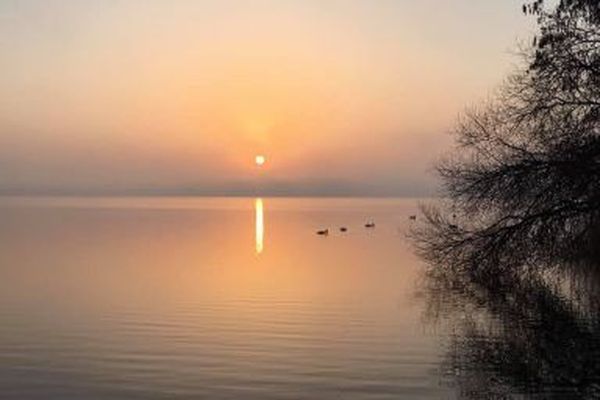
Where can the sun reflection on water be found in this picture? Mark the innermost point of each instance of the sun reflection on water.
(260, 229)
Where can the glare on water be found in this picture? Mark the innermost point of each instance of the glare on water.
(260, 229)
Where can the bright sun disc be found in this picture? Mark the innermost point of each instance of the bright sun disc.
(259, 160)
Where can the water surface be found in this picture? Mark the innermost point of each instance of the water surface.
(211, 298)
(238, 298)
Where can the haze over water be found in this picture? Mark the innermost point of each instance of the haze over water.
(153, 97)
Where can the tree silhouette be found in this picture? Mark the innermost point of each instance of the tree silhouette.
(514, 242)
(523, 188)
(588, 9)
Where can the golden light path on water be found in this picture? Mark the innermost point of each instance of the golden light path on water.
(260, 229)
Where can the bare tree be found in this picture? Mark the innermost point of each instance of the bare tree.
(588, 9)
(523, 187)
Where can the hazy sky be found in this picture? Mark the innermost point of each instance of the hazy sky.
(342, 97)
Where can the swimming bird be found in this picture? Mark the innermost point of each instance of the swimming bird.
(343, 229)
(412, 217)
(370, 224)
(323, 232)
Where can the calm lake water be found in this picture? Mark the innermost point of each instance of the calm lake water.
(227, 298)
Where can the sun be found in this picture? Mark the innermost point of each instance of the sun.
(259, 160)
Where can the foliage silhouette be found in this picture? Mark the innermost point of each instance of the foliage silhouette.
(523, 188)
(514, 242)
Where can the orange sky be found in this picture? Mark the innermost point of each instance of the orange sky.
(343, 97)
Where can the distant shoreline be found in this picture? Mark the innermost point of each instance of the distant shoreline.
(216, 195)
